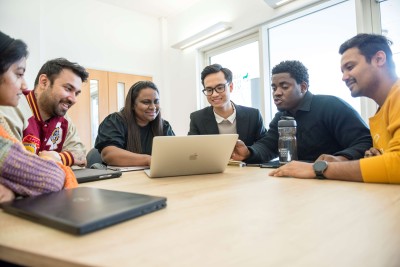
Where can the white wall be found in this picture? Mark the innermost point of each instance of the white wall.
(101, 36)
(94, 34)
(184, 67)
(20, 20)
(105, 37)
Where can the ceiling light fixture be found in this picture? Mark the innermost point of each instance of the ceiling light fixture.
(203, 35)
(277, 3)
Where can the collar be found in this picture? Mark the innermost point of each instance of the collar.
(305, 103)
(231, 118)
(30, 97)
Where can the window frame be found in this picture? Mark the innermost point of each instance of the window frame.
(225, 47)
(367, 20)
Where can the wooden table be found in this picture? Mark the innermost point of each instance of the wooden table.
(238, 218)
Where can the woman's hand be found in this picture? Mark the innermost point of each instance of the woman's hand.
(6, 194)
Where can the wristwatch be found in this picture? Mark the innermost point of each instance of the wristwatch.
(319, 167)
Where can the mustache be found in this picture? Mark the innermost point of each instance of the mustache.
(68, 102)
(350, 81)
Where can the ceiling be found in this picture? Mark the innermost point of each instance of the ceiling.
(156, 8)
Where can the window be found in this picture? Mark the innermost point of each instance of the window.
(390, 21)
(312, 36)
(314, 39)
(242, 59)
(94, 107)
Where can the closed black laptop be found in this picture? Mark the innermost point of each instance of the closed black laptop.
(271, 164)
(90, 175)
(84, 209)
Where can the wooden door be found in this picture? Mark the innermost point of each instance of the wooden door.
(121, 80)
(82, 112)
(99, 98)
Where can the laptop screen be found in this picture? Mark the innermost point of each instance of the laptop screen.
(189, 155)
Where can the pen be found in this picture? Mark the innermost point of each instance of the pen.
(253, 165)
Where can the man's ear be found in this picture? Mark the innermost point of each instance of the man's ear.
(43, 81)
(231, 87)
(304, 87)
(379, 58)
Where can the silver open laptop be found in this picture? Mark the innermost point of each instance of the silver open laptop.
(189, 155)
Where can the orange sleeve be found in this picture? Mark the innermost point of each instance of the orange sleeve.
(70, 179)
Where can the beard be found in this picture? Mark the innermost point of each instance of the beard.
(58, 108)
(53, 107)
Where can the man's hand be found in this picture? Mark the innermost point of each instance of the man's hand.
(331, 158)
(294, 169)
(53, 155)
(6, 194)
(240, 152)
(80, 161)
(372, 152)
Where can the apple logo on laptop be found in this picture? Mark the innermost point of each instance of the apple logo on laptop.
(193, 156)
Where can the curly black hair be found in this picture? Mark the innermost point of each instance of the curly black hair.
(295, 68)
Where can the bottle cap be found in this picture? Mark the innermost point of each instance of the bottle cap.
(287, 122)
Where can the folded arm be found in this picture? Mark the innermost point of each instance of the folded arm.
(27, 174)
(115, 156)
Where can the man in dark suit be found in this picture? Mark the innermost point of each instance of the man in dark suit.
(223, 116)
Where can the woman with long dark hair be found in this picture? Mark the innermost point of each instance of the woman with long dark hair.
(125, 138)
(22, 173)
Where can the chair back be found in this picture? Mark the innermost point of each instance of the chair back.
(93, 157)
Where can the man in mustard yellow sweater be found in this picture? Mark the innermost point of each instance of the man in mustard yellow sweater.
(368, 70)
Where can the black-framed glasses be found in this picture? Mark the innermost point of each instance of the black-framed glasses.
(220, 88)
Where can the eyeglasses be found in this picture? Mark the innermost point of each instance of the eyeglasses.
(220, 88)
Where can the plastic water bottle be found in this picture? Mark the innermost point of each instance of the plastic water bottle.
(287, 144)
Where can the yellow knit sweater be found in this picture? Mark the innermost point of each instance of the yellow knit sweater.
(385, 132)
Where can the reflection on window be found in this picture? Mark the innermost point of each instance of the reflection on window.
(309, 40)
(244, 64)
(94, 108)
(120, 95)
(390, 21)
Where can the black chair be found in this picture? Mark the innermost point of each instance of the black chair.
(93, 157)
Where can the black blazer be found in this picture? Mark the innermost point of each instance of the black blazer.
(249, 123)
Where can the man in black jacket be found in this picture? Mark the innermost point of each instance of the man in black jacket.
(325, 124)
